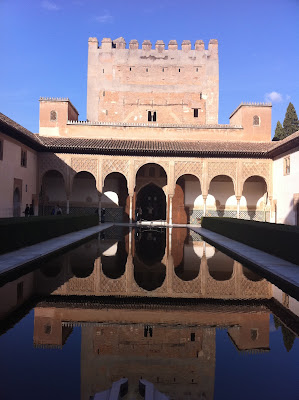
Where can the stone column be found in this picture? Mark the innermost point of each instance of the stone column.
(170, 209)
(204, 204)
(67, 205)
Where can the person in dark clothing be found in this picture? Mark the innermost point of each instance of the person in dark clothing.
(27, 211)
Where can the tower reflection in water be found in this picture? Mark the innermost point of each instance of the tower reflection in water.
(149, 303)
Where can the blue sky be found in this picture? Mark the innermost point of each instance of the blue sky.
(43, 47)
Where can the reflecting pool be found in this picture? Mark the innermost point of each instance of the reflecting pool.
(149, 303)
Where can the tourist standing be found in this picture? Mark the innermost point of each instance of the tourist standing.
(27, 211)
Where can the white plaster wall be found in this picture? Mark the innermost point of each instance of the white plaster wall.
(54, 188)
(285, 186)
(223, 192)
(253, 195)
(84, 187)
(10, 168)
(193, 197)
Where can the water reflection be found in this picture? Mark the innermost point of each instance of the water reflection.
(150, 252)
(168, 338)
(221, 266)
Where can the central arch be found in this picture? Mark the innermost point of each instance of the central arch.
(152, 201)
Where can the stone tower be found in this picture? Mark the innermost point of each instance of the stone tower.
(142, 85)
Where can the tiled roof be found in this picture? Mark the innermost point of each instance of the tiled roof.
(284, 145)
(10, 127)
(147, 147)
(152, 147)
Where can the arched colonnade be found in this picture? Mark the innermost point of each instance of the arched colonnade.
(168, 190)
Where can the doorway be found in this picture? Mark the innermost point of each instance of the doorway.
(152, 201)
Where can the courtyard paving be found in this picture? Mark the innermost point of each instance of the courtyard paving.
(21, 257)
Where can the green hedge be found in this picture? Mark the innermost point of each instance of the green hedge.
(277, 239)
(20, 232)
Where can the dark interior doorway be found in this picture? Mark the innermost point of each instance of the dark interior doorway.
(152, 201)
(16, 203)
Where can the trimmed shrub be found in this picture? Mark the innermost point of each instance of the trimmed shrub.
(277, 239)
(20, 232)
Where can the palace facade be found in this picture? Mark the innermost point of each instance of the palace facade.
(151, 141)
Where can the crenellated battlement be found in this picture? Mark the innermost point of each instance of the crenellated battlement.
(107, 44)
(153, 81)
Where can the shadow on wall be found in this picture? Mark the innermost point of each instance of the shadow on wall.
(74, 190)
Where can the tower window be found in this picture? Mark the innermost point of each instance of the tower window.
(53, 115)
(146, 69)
(192, 338)
(200, 96)
(23, 158)
(130, 69)
(195, 112)
(151, 116)
(253, 334)
(196, 69)
(286, 165)
(256, 120)
(47, 329)
(103, 71)
(179, 69)
(162, 69)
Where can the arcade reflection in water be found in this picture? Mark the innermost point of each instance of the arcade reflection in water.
(157, 329)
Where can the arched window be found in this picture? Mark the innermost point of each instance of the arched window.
(53, 115)
(256, 120)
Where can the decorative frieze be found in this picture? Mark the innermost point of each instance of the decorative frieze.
(115, 165)
(185, 167)
(85, 164)
(216, 168)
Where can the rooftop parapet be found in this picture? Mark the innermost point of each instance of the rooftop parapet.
(133, 45)
(59, 99)
(54, 99)
(93, 41)
(107, 44)
(213, 46)
(119, 43)
(146, 45)
(160, 46)
(199, 45)
(250, 105)
(172, 45)
(186, 45)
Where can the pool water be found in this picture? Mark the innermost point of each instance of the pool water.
(151, 303)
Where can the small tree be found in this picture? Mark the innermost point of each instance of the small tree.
(290, 123)
(279, 132)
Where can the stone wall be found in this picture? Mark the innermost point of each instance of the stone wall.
(124, 84)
